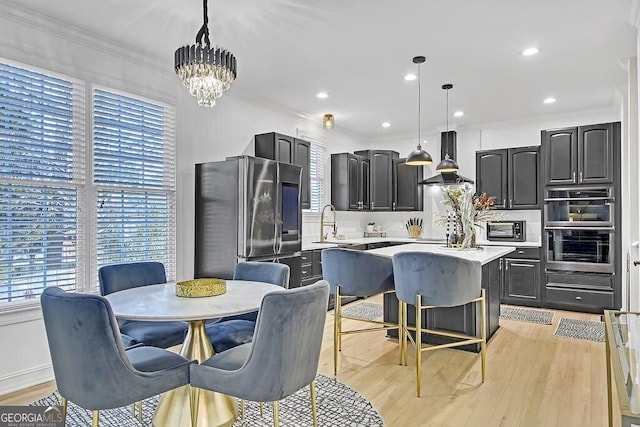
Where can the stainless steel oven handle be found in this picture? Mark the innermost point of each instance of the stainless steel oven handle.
(578, 199)
(581, 228)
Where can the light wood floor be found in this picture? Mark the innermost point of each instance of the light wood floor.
(533, 379)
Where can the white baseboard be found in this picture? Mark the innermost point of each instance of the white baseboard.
(26, 378)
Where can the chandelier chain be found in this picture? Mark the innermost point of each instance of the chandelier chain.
(204, 30)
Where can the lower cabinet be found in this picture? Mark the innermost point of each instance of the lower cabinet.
(464, 319)
(312, 272)
(590, 292)
(521, 280)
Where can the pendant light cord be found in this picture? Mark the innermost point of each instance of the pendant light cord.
(204, 30)
(419, 146)
(447, 112)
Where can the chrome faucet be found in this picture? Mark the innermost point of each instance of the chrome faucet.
(324, 224)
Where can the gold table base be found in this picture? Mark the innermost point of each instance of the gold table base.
(214, 409)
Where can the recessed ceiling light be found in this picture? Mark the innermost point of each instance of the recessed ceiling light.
(550, 100)
(530, 51)
(410, 77)
(322, 95)
(386, 124)
(459, 113)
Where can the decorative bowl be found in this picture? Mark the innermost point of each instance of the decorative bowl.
(198, 288)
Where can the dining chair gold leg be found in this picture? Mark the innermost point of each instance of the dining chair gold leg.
(65, 402)
(339, 305)
(276, 420)
(483, 329)
(336, 328)
(96, 419)
(242, 408)
(261, 408)
(133, 409)
(194, 402)
(418, 343)
(140, 411)
(314, 407)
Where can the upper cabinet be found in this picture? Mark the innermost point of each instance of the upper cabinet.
(407, 194)
(511, 176)
(380, 178)
(349, 182)
(288, 149)
(580, 155)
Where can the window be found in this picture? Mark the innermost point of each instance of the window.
(317, 161)
(134, 179)
(44, 193)
(41, 183)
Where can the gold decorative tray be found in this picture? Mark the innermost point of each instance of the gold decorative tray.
(201, 288)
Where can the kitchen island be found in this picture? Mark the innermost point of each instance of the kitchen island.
(466, 318)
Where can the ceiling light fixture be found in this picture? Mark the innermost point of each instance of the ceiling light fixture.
(207, 71)
(419, 157)
(447, 165)
(322, 95)
(530, 51)
(386, 124)
(410, 77)
(327, 121)
(458, 113)
(549, 100)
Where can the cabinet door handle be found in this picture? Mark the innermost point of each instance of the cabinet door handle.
(500, 267)
(372, 205)
(521, 252)
(506, 266)
(580, 180)
(504, 202)
(394, 206)
(579, 298)
(510, 203)
(574, 177)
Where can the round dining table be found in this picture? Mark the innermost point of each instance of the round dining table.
(159, 303)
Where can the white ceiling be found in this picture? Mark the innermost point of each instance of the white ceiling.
(359, 50)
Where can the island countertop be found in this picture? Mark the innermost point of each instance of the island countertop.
(484, 255)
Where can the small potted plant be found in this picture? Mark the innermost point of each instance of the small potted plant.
(370, 227)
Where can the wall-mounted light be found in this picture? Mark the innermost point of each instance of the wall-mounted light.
(327, 121)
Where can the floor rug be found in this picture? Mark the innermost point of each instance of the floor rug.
(364, 311)
(580, 329)
(338, 405)
(542, 317)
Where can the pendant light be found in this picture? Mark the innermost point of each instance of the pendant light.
(447, 165)
(419, 157)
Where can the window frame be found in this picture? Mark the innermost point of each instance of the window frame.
(308, 213)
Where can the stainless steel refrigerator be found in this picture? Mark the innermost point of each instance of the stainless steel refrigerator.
(247, 209)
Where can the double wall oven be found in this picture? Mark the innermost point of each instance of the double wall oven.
(579, 228)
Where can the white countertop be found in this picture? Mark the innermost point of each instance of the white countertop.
(484, 255)
(332, 243)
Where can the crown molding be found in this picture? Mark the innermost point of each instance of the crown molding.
(634, 13)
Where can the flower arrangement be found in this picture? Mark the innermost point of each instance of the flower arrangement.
(467, 212)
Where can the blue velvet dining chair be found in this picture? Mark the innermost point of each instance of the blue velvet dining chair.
(229, 332)
(357, 274)
(429, 281)
(118, 277)
(92, 369)
(283, 356)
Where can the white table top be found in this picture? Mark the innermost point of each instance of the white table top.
(159, 302)
(484, 255)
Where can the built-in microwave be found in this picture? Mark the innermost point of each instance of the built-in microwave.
(506, 231)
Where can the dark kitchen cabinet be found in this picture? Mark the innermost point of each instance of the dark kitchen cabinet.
(288, 149)
(350, 176)
(521, 277)
(510, 175)
(380, 178)
(407, 194)
(580, 155)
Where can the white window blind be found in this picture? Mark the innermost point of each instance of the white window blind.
(134, 177)
(317, 161)
(42, 181)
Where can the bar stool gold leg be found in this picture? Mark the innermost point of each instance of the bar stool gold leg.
(261, 408)
(418, 343)
(242, 405)
(133, 410)
(140, 411)
(65, 402)
(336, 329)
(314, 406)
(95, 422)
(400, 331)
(483, 329)
(276, 418)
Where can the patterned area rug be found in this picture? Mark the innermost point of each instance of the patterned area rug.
(580, 329)
(364, 311)
(338, 405)
(542, 317)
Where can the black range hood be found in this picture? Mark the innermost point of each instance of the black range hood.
(447, 145)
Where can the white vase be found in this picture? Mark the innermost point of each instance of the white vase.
(370, 228)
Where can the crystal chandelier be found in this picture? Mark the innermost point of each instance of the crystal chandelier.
(207, 71)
